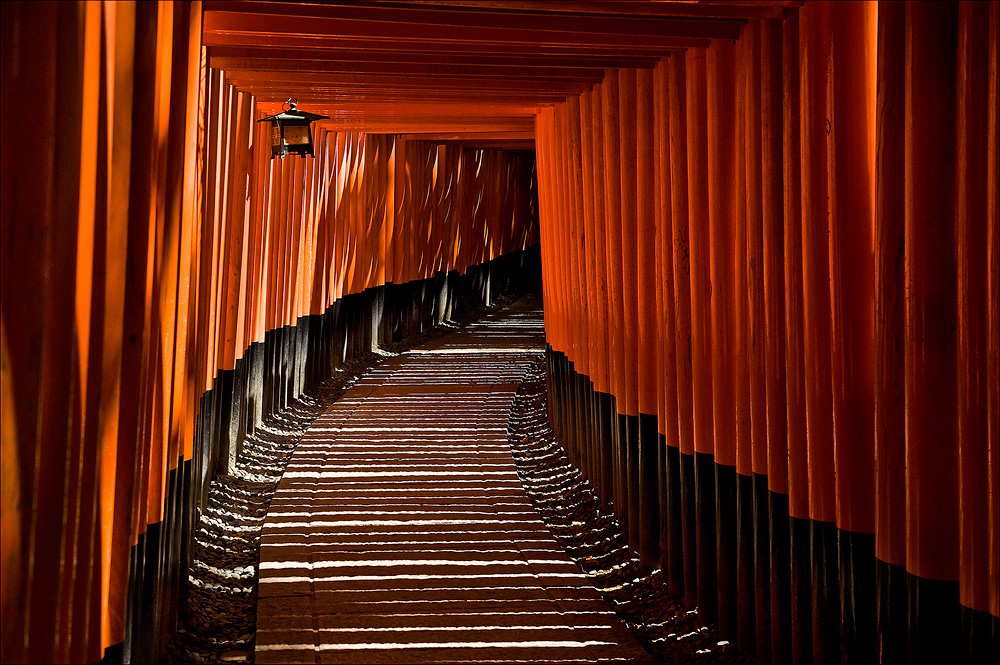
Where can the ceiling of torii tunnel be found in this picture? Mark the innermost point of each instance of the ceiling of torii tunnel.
(474, 72)
(611, 330)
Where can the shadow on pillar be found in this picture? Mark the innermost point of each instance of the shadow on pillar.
(784, 589)
(271, 374)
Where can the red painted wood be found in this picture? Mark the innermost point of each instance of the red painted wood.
(852, 268)
(646, 283)
(776, 296)
(756, 267)
(603, 378)
(721, 156)
(930, 278)
(613, 224)
(677, 101)
(742, 218)
(595, 328)
(579, 287)
(814, 49)
(798, 469)
(700, 251)
(668, 392)
(973, 279)
(627, 101)
(773, 220)
(993, 303)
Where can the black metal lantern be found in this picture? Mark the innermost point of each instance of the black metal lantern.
(291, 131)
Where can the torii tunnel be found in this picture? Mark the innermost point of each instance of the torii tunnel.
(765, 233)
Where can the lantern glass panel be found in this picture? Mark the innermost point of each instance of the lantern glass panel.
(297, 135)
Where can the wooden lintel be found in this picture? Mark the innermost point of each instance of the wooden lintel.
(264, 69)
(259, 28)
(352, 57)
(522, 49)
(429, 22)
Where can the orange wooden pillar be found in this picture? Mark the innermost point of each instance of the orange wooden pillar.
(852, 286)
(796, 644)
(118, 454)
(739, 312)
(399, 211)
(647, 289)
(993, 305)
(39, 320)
(593, 323)
(82, 614)
(683, 573)
(109, 481)
(722, 165)
(563, 223)
(772, 631)
(763, 199)
(628, 402)
(577, 249)
(436, 219)
(576, 257)
(741, 538)
(545, 210)
(564, 336)
(932, 498)
(702, 339)
(613, 233)
(543, 215)
(627, 150)
(667, 322)
(751, 454)
(976, 199)
(570, 283)
(564, 341)
(604, 376)
(815, 48)
(119, 446)
(575, 283)
(138, 356)
(560, 253)
(754, 461)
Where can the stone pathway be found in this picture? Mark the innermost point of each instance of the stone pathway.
(400, 532)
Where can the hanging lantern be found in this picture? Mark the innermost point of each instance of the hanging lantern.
(291, 131)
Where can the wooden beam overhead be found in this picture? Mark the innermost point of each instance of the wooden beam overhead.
(469, 135)
(256, 68)
(419, 83)
(497, 144)
(326, 97)
(436, 132)
(403, 20)
(468, 111)
(260, 28)
(749, 9)
(528, 49)
(350, 57)
(450, 67)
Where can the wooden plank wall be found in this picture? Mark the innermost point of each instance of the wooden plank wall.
(147, 242)
(99, 194)
(781, 252)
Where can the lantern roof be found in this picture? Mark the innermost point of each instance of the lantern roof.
(292, 114)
